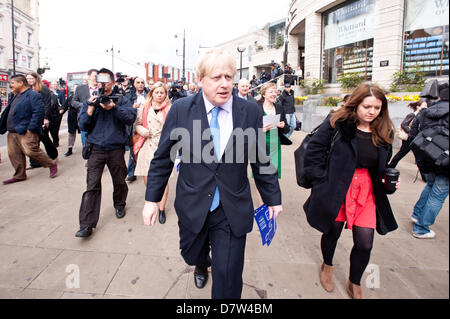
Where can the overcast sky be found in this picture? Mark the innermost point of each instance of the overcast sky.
(75, 35)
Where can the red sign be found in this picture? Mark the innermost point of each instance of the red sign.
(4, 78)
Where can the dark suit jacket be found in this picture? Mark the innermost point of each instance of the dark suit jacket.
(198, 180)
(82, 94)
(61, 98)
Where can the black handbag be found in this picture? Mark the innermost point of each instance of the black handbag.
(299, 158)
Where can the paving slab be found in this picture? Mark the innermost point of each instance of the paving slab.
(125, 259)
(21, 265)
(80, 272)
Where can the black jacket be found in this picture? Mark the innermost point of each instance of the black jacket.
(330, 187)
(426, 118)
(132, 95)
(287, 100)
(281, 131)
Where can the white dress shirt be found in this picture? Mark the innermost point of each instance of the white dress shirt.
(225, 119)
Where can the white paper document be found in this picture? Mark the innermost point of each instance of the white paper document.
(272, 120)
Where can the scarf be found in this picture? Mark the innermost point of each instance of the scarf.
(164, 109)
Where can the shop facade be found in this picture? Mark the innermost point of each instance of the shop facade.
(371, 38)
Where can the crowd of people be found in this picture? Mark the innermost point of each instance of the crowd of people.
(345, 161)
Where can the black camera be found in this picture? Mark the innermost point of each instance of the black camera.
(106, 99)
(121, 77)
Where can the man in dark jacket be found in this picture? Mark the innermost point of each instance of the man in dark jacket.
(58, 103)
(82, 94)
(22, 119)
(437, 177)
(105, 124)
(287, 100)
(264, 77)
(137, 97)
(243, 88)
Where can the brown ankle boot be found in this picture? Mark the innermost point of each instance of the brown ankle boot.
(326, 277)
(354, 291)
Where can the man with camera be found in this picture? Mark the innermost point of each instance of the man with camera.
(104, 118)
(177, 91)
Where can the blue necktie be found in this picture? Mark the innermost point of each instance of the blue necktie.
(215, 132)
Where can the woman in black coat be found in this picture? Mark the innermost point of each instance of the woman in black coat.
(348, 183)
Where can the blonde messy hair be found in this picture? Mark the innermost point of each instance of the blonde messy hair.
(212, 59)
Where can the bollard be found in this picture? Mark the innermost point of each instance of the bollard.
(309, 109)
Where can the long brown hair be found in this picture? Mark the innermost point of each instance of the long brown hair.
(38, 85)
(382, 127)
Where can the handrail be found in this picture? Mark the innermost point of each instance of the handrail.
(271, 80)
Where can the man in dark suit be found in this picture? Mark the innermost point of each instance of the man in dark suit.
(83, 94)
(213, 201)
(243, 89)
(59, 102)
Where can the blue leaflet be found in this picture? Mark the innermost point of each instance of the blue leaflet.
(267, 227)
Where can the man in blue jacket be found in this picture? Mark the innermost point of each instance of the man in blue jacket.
(105, 124)
(23, 119)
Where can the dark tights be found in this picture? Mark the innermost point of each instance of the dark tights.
(360, 255)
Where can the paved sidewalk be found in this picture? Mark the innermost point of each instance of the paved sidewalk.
(40, 256)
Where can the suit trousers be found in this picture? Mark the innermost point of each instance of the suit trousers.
(91, 200)
(227, 254)
(20, 146)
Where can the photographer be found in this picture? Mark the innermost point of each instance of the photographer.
(105, 118)
(124, 83)
(177, 91)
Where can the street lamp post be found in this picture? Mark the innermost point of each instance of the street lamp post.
(13, 38)
(184, 55)
(241, 49)
(112, 52)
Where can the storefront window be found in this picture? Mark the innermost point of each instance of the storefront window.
(426, 37)
(348, 33)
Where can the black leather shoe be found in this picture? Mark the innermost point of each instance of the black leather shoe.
(84, 232)
(130, 178)
(120, 213)
(69, 152)
(200, 277)
(162, 217)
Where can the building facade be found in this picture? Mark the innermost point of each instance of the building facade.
(372, 38)
(168, 74)
(260, 49)
(26, 35)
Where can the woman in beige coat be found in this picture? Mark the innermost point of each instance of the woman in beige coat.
(149, 124)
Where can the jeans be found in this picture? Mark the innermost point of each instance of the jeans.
(131, 163)
(430, 203)
(83, 138)
(292, 121)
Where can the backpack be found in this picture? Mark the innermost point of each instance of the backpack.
(433, 142)
(299, 156)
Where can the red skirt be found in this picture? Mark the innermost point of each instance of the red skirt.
(359, 206)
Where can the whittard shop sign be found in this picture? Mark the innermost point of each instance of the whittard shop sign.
(349, 24)
(423, 14)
